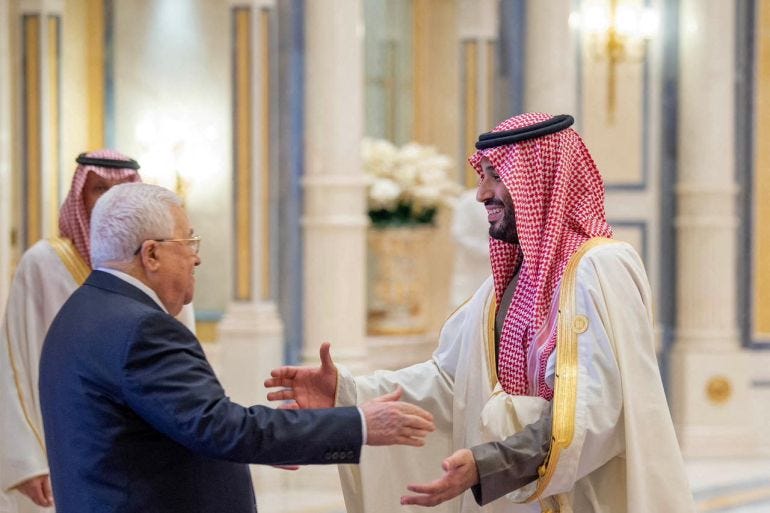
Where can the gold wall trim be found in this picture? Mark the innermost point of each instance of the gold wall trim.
(54, 123)
(420, 13)
(264, 26)
(32, 130)
(438, 102)
(243, 168)
(565, 386)
(95, 72)
(471, 77)
(761, 235)
(719, 390)
(207, 331)
(491, 117)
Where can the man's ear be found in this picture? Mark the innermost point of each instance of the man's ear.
(148, 257)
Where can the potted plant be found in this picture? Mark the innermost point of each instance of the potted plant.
(407, 187)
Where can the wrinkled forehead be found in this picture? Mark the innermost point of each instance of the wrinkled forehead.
(182, 225)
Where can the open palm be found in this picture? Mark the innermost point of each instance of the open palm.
(308, 387)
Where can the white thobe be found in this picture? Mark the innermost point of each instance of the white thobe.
(41, 285)
(614, 447)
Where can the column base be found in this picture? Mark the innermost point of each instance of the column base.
(251, 345)
(396, 352)
(709, 395)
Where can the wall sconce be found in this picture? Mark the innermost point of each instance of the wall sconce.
(176, 152)
(617, 32)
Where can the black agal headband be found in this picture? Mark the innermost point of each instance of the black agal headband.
(104, 162)
(549, 126)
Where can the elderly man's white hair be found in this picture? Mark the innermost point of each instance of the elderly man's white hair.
(126, 216)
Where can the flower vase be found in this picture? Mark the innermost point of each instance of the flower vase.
(397, 279)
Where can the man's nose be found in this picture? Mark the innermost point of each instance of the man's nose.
(197, 259)
(484, 191)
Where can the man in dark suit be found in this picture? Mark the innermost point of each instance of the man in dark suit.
(135, 419)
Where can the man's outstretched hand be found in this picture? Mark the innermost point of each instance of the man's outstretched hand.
(308, 387)
(392, 422)
(460, 473)
(388, 420)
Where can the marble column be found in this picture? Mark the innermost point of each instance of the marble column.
(251, 331)
(478, 30)
(335, 205)
(5, 152)
(250, 341)
(550, 83)
(39, 139)
(709, 373)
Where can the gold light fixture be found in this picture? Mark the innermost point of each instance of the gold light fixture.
(616, 32)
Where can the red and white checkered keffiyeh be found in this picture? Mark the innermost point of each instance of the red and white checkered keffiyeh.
(558, 199)
(74, 222)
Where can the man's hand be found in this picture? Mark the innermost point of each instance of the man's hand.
(460, 473)
(309, 387)
(389, 421)
(38, 489)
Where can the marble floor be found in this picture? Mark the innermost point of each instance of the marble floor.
(731, 485)
(718, 485)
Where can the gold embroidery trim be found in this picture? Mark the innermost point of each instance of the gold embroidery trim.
(580, 324)
(71, 259)
(79, 270)
(20, 392)
(490, 331)
(565, 386)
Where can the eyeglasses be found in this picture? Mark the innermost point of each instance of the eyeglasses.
(193, 242)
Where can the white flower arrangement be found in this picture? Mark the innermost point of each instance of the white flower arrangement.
(407, 185)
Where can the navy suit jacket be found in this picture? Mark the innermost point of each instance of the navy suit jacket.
(136, 421)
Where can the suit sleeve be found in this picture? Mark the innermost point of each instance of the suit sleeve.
(169, 383)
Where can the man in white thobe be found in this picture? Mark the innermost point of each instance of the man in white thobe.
(46, 276)
(544, 388)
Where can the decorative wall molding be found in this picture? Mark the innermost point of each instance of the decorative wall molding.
(335, 221)
(41, 7)
(640, 225)
(334, 181)
(252, 4)
(642, 184)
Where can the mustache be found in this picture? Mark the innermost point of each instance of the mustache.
(494, 202)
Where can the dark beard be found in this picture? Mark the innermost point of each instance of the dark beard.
(505, 229)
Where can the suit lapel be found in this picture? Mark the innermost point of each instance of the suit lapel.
(111, 283)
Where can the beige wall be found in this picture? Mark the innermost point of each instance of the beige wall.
(436, 75)
(436, 80)
(75, 105)
(173, 112)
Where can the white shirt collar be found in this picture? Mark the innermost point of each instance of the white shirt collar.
(136, 283)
